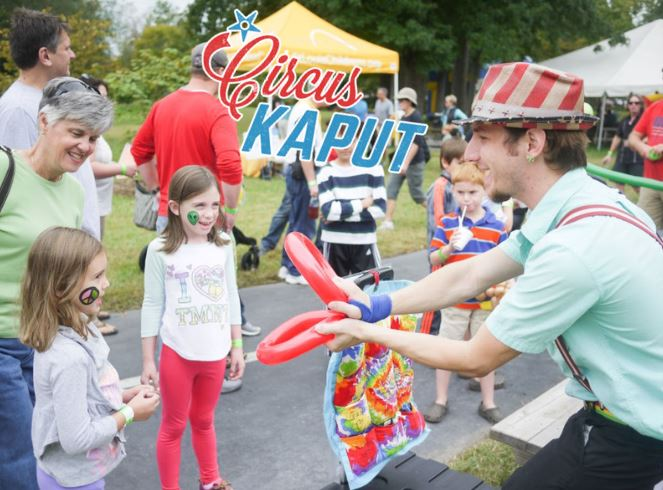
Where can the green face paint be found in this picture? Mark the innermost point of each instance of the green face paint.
(193, 217)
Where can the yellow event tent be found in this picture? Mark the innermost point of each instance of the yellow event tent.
(316, 43)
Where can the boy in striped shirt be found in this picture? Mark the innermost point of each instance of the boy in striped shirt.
(351, 199)
(450, 244)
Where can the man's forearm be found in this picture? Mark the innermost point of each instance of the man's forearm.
(455, 283)
(309, 170)
(636, 143)
(231, 194)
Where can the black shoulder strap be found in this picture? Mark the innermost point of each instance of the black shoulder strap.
(9, 177)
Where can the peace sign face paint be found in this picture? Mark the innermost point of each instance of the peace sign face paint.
(89, 296)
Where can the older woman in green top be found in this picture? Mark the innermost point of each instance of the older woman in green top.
(72, 115)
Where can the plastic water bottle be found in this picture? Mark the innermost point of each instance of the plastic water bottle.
(313, 208)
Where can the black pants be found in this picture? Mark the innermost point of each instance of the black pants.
(350, 259)
(593, 453)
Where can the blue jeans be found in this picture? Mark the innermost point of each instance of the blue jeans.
(278, 224)
(298, 219)
(17, 397)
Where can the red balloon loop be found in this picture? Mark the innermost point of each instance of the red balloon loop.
(313, 266)
(295, 337)
(298, 335)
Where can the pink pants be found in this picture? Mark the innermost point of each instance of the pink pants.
(189, 390)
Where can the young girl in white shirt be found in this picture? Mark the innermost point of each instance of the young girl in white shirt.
(191, 300)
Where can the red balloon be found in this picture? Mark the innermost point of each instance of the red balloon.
(313, 266)
(295, 336)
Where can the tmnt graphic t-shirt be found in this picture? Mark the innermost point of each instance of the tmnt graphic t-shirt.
(191, 299)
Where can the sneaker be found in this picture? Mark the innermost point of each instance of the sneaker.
(387, 225)
(230, 385)
(283, 272)
(474, 384)
(492, 415)
(298, 280)
(250, 330)
(435, 413)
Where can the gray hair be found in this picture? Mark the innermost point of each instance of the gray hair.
(81, 103)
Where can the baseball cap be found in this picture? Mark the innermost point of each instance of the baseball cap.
(219, 59)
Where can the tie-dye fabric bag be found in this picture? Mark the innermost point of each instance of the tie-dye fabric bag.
(369, 412)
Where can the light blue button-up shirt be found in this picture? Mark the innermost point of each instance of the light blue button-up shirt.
(598, 282)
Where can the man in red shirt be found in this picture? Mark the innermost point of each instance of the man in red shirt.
(650, 126)
(191, 127)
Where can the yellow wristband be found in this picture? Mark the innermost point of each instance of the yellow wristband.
(441, 256)
(609, 154)
(230, 210)
(237, 343)
(312, 183)
(123, 169)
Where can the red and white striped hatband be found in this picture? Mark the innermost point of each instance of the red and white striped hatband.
(526, 95)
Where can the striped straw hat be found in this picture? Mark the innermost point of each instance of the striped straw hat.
(525, 95)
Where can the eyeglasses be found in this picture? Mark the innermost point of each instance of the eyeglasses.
(74, 86)
(634, 102)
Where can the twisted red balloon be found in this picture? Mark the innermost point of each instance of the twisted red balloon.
(297, 335)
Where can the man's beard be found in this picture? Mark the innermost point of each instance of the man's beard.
(497, 196)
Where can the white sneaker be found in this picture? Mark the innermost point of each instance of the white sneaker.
(283, 272)
(298, 280)
(387, 225)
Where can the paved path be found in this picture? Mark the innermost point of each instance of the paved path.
(271, 433)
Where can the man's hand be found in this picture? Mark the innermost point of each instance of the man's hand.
(346, 333)
(228, 222)
(367, 202)
(353, 292)
(314, 191)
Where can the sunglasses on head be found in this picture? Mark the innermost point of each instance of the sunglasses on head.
(74, 86)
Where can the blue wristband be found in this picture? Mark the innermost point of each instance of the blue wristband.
(379, 310)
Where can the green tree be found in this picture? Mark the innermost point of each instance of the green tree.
(151, 76)
(204, 18)
(158, 37)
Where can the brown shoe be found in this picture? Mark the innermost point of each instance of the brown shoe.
(107, 329)
(435, 413)
(103, 315)
(500, 382)
(492, 415)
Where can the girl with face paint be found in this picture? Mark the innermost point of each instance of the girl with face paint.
(80, 410)
(191, 300)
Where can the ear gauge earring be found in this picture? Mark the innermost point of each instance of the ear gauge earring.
(530, 158)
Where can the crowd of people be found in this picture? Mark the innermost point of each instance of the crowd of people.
(574, 270)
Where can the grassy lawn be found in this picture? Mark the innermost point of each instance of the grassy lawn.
(490, 461)
(124, 241)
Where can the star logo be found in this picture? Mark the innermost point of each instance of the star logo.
(244, 23)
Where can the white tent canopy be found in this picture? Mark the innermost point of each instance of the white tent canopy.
(619, 70)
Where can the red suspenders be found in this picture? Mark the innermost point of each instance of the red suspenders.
(572, 216)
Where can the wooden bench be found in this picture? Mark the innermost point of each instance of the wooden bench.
(530, 428)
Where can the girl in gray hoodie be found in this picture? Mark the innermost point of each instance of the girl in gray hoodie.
(80, 410)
